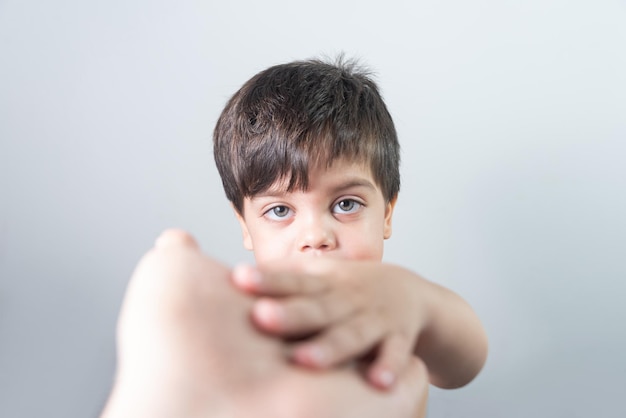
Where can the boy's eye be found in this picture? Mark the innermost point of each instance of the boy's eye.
(347, 206)
(278, 212)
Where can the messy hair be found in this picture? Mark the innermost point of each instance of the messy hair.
(292, 117)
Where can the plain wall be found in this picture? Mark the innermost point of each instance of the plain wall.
(512, 119)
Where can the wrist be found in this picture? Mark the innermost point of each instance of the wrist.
(422, 304)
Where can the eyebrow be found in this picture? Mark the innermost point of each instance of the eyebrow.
(351, 183)
(344, 185)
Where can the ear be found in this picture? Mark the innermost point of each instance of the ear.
(247, 240)
(388, 215)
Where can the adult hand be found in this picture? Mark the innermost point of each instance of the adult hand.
(167, 349)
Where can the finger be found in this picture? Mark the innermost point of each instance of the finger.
(393, 355)
(301, 315)
(175, 237)
(246, 277)
(278, 283)
(345, 341)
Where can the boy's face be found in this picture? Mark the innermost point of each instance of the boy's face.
(343, 214)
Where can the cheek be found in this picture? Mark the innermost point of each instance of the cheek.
(268, 248)
(365, 246)
(370, 241)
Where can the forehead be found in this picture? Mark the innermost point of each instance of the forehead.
(340, 175)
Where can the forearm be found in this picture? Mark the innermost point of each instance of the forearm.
(453, 342)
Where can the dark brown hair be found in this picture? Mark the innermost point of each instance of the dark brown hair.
(293, 116)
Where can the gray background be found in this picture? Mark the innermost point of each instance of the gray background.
(512, 118)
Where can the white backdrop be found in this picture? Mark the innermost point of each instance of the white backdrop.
(512, 119)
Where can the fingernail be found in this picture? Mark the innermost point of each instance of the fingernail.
(318, 356)
(312, 356)
(246, 275)
(385, 378)
(269, 313)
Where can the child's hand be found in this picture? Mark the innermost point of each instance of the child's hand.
(352, 308)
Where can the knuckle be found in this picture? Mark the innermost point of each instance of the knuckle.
(353, 338)
(312, 313)
(296, 313)
(303, 315)
(330, 307)
(401, 341)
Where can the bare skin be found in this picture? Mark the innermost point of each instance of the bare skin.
(320, 274)
(187, 348)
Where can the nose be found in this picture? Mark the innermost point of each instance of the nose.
(317, 235)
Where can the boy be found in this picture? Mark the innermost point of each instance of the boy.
(309, 159)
